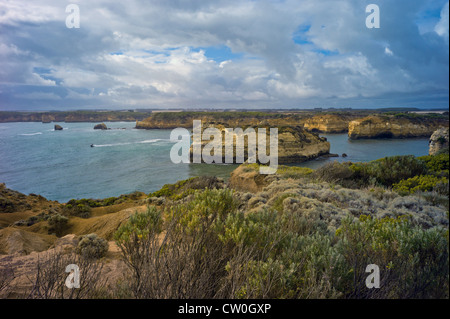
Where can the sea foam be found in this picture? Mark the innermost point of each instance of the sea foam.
(30, 134)
(129, 143)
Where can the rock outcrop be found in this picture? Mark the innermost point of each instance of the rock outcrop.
(439, 140)
(329, 123)
(58, 127)
(295, 144)
(167, 120)
(101, 126)
(383, 126)
(246, 178)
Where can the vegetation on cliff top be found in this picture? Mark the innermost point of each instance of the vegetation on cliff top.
(71, 116)
(298, 238)
(306, 234)
(181, 116)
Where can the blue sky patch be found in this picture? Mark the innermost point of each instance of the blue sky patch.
(300, 35)
(220, 53)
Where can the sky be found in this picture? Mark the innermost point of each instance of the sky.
(273, 54)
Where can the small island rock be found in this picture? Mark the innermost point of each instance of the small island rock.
(101, 126)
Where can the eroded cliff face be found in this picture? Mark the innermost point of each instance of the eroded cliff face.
(382, 126)
(439, 140)
(295, 144)
(329, 123)
(242, 119)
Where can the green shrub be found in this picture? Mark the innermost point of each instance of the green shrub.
(139, 226)
(206, 206)
(294, 171)
(6, 205)
(335, 172)
(92, 203)
(79, 208)
(183, 188)
(290, 256)
(388, 170)
(57, 223)
(206, 247)
(424, 183)
(92, 246)
(169, 190)
(181, 257)
(437, 163)
(413, 262)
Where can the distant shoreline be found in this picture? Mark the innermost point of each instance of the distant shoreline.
(141, 114)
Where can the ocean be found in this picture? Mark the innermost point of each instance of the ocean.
(61, 165)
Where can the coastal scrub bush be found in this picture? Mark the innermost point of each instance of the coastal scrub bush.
(92, 246)
(388, 170)
(293, 171)
(168, 189)
(180, 255)
(423, 183)
(78, 209)
(48, 280)
(57, 223)
(286, 256)
(139, 226)
(86, 203)
(438, 163)
(187, 187)
(305, 242)
(413, 262)
(335, 172)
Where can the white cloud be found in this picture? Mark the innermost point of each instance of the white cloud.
(442, 27)
(388, 51)
(154, 55)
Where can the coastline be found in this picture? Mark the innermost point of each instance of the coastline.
(96, 168)
(36, 229)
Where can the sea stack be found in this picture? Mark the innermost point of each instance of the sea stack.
(295, 144)
(58, 127)
(101, 126)
(439, 140)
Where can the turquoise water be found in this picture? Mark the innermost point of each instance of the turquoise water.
(61, 165)
(368, 150)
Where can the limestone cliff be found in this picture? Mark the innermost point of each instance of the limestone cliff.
(168, 120)
(329, 123)
(387, 126)
(439, 140)
(295, 144)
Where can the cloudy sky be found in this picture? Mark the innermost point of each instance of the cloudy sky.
(223, 54)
